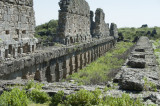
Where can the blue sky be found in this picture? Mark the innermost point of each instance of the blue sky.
(125, 13)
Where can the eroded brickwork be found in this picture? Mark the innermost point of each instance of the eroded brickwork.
(101, 28)
(114, 30)
(17, 27)
(74, 21)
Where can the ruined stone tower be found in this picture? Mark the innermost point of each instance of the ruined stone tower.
(101, 28)
(17, 27)
(114, 30)
(74, 21)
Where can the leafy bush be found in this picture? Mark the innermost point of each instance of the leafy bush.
(87, 98)
(47, 29)
(38, 96)
(32, 84)
(57, 98)
(82, 98)
(148, 85)
(125, 100)
(16, 97)
(19, 97)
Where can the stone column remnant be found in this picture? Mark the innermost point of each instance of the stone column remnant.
(74, 22)
(101, 28)
(114, 30)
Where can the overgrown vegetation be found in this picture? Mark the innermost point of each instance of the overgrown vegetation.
(18, 97)
(131, 33)
(156, 47)
(97, 72)
(38, 97)
(46, 31)
(87, 98)
(148, 85)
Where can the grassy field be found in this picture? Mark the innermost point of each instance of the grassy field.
(98, 71)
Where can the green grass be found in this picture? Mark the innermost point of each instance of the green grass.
(97, 72)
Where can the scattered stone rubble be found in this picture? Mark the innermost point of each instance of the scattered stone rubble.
(140, 68)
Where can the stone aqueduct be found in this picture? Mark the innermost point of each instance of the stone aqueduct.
(83, 39)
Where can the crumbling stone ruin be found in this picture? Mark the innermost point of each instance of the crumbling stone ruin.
(75, 31)
(140, 69)
(114, 30)
(101, 28)
(76, 23)
(17, 26)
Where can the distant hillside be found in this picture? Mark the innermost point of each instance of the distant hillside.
(45, 31)
(131, 33)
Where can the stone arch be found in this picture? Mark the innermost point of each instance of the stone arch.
(25, 48)
(37, 76)
(57, 72)
(48, 74)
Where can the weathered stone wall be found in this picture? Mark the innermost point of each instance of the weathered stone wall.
(101, 29)
(53, 64)
(74, 21)
(114, 30)
(17, 27)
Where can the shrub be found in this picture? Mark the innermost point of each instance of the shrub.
(38, 96)
(81, 98)
(84, 98)
(32, 84)
(125, 100)
(90, 98)
(57, 98)
(148, 85)
(97, 98)
(16, 97)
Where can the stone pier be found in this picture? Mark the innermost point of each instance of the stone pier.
(56, 63)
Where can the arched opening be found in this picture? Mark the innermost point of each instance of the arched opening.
(10, 49)
(37, 76)
(48, 74)
(57, 72)
(26, 48)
